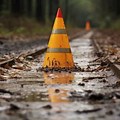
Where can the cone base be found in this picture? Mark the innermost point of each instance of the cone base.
(58, 60)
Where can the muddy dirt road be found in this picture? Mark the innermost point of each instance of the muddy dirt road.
(91, 92)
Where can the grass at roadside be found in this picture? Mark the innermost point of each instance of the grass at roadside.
(116, 24)
(25, 27)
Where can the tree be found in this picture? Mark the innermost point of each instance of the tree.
(17, 7)
(1, 5)
(40, 10)
(66, 10)
(53, 6)
(29, 7)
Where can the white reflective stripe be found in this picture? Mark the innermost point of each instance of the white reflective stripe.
(59, 50)
(59, 31)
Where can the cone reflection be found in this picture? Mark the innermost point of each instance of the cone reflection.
(58, 94)
(58, 78)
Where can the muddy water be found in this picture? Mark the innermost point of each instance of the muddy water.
(85, 95)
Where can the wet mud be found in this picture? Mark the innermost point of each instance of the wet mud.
(90, 92)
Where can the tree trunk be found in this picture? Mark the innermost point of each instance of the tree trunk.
(1, 5)
(50, 9)
(40, 10)
(16, 7)
(29, 7)
(53, 6)
(66, 10)
(118, 8)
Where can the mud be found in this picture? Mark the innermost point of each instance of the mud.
(88, 94)
(14, 47)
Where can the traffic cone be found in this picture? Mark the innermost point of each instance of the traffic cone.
(88, 27)
(58, 52)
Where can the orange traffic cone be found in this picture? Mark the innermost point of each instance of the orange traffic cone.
(88, 27)
(58, 52)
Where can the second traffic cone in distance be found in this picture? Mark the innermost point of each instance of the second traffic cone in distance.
(58, 53)
(88, 27)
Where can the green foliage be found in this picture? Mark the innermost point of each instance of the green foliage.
(22, 26)
(80, 10)
(116, 24)
(26, 17)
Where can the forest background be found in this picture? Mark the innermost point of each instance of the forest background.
(36, 16)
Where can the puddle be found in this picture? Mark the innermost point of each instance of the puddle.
(34, 97)
(77, 95)
(57, 85)
(58, 95)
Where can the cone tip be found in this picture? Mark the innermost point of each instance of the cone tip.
(59, 13)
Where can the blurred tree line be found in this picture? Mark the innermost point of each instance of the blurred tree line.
(107, 12)
(76, 12)
(39, 9)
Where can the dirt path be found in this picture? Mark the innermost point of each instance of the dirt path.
(89, 94)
